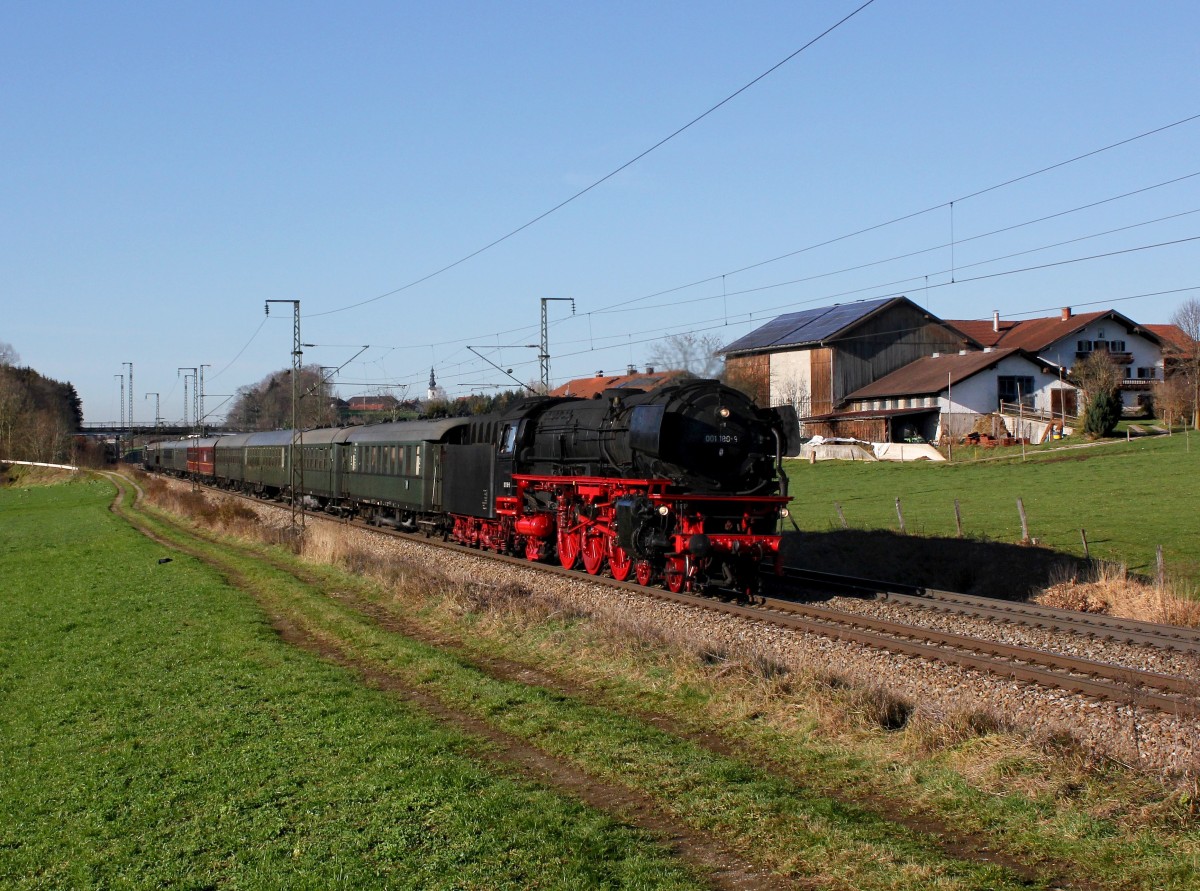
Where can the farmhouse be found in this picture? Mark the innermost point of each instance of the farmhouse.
(945, 395)
(812, 360)
(1068, 338)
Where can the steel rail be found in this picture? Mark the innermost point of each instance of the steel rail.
(1150, 634)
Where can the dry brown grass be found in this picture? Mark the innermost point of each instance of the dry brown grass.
(741, 681)
(958, 727)
(1110, 590)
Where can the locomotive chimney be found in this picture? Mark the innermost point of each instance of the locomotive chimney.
(1066, 313)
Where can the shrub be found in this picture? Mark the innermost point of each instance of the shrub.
(1102, 414)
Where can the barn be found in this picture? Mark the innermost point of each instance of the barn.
(814, 359)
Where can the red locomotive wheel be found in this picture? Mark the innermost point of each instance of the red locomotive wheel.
(593, 553)
(569, 546)
(621, 564)
(675, 574)
(643, 571)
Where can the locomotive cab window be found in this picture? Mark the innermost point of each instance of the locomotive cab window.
(508, 439)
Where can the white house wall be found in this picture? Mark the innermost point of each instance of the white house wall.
(980, 393)
(791, 378)
(1145, 353)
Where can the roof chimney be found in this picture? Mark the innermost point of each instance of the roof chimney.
(996, 320)
(631, 368)
(1066, 313)
(600, 373)
(649, 369)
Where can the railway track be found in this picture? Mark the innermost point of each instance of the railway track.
(1167, 693)
(1131, 631)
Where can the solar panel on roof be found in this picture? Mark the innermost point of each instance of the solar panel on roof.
(805, 327)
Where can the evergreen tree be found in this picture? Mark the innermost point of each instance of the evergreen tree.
(1102, 414)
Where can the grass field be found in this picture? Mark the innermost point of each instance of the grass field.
(159, 731)
(1129, 497)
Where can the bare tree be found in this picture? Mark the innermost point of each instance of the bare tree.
(8, 355)
(267, 405)
(1174, 399)
(1100, 379)
(689, 352)
(38, 416)
(1097, 374)
(1187, 318)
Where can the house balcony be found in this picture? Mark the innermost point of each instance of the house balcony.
(1139, 383)
(1116, 358)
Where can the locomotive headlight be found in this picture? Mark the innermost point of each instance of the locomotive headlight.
(663, 509)
(724, 412)
(784, 512)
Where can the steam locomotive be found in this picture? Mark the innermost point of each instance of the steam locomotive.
(682, 485)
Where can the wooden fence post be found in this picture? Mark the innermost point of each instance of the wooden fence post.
(1024, 522)
(841, 516)
(1162, 570)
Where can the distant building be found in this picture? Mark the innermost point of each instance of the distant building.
(384, 402)
(435, 392)
(593, 387)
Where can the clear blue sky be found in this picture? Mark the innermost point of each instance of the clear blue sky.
(168, 167)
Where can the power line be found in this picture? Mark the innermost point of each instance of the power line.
(618, 306)
(623, 307)
(470, 369)
(908, 216)
(607, 176)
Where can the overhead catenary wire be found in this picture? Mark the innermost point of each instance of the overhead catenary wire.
(816, 276)
(911, 215)
(607, 176)
(470, 368)
(615, 306)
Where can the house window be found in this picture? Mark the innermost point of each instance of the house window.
(1146, 374)
(1016, 388)
(1085, 346)
(1116, 346)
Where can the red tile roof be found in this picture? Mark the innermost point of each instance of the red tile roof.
(981, 330)
(1033, 335)
(1172, 337)
(590, 387)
